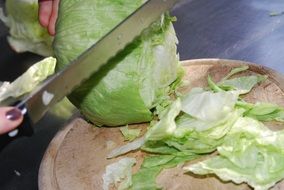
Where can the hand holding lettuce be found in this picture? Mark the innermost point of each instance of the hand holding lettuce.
(26, 34)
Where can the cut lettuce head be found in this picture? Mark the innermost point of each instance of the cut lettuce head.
(26, 34)
(29, 80)
(128, 88)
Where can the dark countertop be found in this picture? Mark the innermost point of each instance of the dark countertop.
(241, 29)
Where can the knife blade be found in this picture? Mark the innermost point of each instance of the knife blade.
(35, 105)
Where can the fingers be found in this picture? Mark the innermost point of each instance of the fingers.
(45, 10)
(10, 118)
(53, 17)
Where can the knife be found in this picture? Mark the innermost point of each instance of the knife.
(35, 105)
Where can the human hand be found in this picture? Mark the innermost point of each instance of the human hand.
(48, 10)
(10, 118)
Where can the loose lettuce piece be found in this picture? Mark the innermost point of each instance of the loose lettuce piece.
(186, 135)
(128, 88)
(153, 161)
(145, 179)
(189, 139)
(166, 126)
(160, 147)
(242, 84)
(251, 153)
(119, 174)
(151, 168)
(200, 132)
(26, 34)
(134, 145)
(209, 106)
(213, 86)
(29, 80)
(266, 112)
(262, 111)
(130, 134)
(236, 71)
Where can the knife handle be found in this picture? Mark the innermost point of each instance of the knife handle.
(25, 129)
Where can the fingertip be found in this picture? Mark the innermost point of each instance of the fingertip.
(53, 18)
(10, 118)
(45, 11)
(51, 29)
(43, 21)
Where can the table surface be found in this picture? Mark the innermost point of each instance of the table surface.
(242, 30)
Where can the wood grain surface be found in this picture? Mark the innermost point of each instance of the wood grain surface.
(76, 157)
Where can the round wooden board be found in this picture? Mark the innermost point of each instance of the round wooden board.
(76, 157)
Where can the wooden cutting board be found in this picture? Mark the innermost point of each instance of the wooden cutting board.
(76, 157)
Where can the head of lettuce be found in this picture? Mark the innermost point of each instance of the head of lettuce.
(131, 85)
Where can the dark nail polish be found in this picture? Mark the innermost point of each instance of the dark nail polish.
(13, 114)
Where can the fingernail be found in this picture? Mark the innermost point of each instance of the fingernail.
(13, 114)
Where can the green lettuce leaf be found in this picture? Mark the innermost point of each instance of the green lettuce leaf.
(130, 134)
(209, 106)
(134, 145)
(152, 166)
(26, 34)
(195, 136)
(251, 153)
(29, 80)
(166, 126)
(145, 179)
(242, 84)
(128, 88)
(179, 133)
(262, 111)
(236, 70)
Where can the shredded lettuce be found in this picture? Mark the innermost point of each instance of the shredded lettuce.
(187, 134)
(192, 137)
(29, 80)
(205, 121)
(251, 153)
(26, 34)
